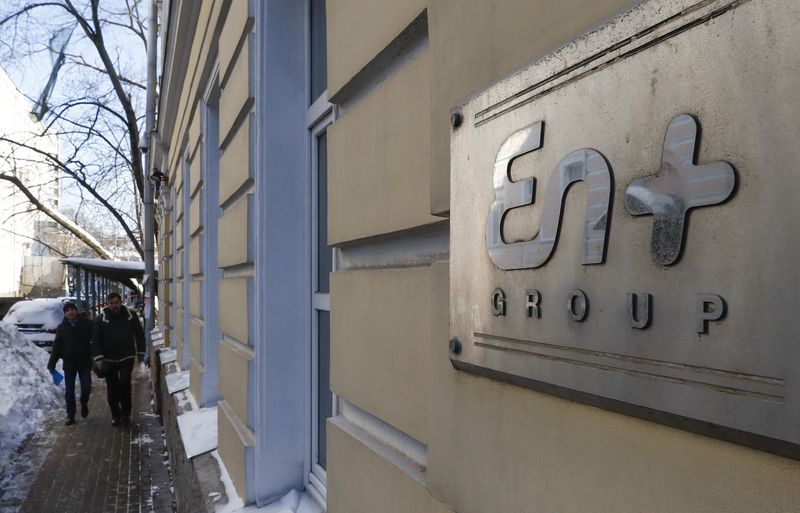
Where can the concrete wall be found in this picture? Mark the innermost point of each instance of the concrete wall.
(197, 486)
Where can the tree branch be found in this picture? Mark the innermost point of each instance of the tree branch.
(114, 212)
(80, 61)
(73, 228)
(43, 243)
(27, 9)
(95, 35)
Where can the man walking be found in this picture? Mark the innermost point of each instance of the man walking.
(73, 345)
(118, 340)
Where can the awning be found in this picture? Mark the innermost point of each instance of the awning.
(116, 270)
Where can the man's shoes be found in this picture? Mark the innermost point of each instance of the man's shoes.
(84, 410)
(115, 421)
(70, 421)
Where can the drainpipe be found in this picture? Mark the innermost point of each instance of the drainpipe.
(150, 115)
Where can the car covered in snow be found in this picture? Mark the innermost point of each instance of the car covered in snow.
(37, 319)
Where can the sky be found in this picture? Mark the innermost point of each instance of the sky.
(25, 56)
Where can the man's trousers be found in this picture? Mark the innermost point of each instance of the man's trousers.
(118, 387)
(69, 388)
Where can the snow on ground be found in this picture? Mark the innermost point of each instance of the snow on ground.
(142, 440)
(27, 392)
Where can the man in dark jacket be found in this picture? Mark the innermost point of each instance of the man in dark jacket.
(73, 345)
(118, 340)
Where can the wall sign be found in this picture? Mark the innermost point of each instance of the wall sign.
(625, 223)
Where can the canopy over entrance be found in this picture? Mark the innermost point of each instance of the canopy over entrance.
(115, 270)
(91, 279)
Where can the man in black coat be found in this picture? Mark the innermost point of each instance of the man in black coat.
(73, 345)
(118, 340)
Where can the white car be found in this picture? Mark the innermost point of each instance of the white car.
(37, 319)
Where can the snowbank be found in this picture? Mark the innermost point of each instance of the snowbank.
(292, 502)
(27, 393)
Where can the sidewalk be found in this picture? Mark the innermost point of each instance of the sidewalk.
(93, 467)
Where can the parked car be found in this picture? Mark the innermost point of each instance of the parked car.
(83, 306)
(37, 319)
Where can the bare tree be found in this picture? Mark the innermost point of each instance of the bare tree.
(92, 100)
(76, 230)
(57, 250)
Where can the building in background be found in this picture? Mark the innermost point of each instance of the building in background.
(21, 228)
(372, 331)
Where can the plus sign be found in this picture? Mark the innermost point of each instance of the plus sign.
(680, 185)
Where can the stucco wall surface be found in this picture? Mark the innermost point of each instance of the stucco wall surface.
(474, 43)
(496, 447)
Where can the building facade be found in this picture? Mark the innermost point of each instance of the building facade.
(348, 276)
(22, 230)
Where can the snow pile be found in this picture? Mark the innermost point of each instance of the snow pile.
(198, 431)
(177, 381)
(48, 312)
(27, 393)
(292, 502)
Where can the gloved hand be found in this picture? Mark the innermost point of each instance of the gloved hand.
(57, 377)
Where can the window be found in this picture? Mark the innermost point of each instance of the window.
(186, 355)
(322, 263)
(318, 52)
(173, 314)
(319, 116)
(211, 213)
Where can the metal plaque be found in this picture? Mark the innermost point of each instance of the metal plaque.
(625, 224)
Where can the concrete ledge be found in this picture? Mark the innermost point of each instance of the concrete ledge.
(197, 482)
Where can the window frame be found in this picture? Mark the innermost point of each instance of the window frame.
(211, 213)
(322, 115)
(173, 285)
(186, 198)
(319, 116)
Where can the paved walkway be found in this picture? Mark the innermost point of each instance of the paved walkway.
(93, 467)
